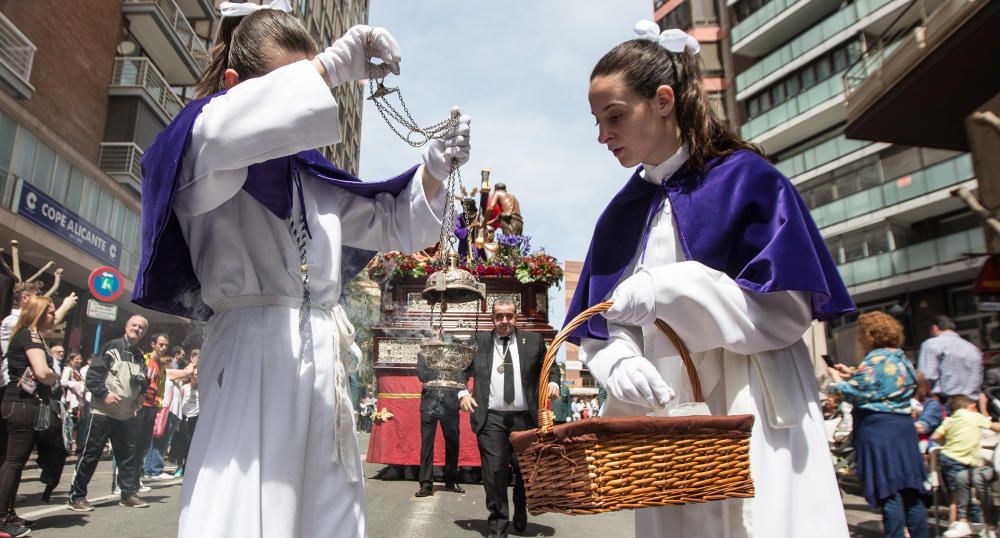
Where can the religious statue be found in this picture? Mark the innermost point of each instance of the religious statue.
(510, 221)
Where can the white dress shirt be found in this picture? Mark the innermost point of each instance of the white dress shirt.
(497, 402)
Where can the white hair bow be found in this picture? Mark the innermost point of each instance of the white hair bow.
(673, 39)
(242, 9)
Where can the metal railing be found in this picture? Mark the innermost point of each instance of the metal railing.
(121, 158)
(17, 52)
(141, 73)
(185, 33)
(924, 181)
(911, 23)
(819, 155)
(810, 40)
(951, 248)
(755, 20)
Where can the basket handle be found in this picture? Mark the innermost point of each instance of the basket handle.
(545, 417)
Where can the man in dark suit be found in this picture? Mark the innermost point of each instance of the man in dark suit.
(506, 370)
(437, 405)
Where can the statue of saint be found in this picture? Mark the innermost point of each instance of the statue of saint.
(510, 219)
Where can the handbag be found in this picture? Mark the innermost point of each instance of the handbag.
(43, 420)
(160, 424)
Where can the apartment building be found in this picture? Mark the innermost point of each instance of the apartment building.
(902, 243)
(82, 95)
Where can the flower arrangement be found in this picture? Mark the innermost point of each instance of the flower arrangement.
(512, 258)
(539, 267)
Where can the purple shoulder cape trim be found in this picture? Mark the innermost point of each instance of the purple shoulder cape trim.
(166, 280)
(740, 216)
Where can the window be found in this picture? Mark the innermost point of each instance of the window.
(117, 219)
(91, 196)
(45, 160)
(808, 77)
(75, 191)
(898, 162)
(104, 210)
(792, 86)
(839, 60)
(778, 94)
(8, 128)
(823, 71)
(24, 155)
(753, 108)
(60, 180)
(854, 248)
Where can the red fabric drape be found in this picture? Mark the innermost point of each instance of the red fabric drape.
(397, 441)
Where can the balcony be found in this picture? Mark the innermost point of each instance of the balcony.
(933, 178)
(797, 118)
(17, 53)
(777, 22)
(122, 161)
(917, 60)
(197, 9)
(138, 77)
(832, 31)
(816, 156)
(165, 34)
(916, 257)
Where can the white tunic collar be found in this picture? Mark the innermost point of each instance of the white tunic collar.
(656, 174)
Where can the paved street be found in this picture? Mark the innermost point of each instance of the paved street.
(392, 512)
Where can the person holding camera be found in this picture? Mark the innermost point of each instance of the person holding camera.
(117, 381)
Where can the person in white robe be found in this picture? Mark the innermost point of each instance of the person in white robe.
(747, 346)
(275, 453)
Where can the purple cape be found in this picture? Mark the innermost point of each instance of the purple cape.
(166, 280)
(740, 216)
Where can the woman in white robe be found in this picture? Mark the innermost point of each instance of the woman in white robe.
(275, 452)
(746, 344)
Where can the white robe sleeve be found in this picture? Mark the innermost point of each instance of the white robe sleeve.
(709, 310)
(407, 222)
(288, 110)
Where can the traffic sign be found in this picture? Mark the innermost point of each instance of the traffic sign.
(106, 284)
(97, 310)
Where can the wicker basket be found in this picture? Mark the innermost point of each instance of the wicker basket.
(606, 464)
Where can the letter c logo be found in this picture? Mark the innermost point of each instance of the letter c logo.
(31, 200)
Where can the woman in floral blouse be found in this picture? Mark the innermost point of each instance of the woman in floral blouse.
(885, 440)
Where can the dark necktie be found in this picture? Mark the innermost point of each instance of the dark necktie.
(508, 371)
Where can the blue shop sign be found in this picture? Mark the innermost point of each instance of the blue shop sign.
(39, 208)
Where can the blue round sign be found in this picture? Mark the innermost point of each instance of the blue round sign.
(106, 284)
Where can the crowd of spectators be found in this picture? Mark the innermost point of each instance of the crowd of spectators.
(58, 406)
(941, 402)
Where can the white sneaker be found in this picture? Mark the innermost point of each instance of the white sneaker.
(988, 533)
(959, 529)
(163, 476)
(116, 490)
(144, 489)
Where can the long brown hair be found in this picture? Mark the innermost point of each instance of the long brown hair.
(646, 66)
(32, 312)
(244, 44)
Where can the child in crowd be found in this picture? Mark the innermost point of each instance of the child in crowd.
(961, 437)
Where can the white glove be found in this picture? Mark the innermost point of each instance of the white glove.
(347, 58)
(439, 153)
(633, 380)
(634, 301)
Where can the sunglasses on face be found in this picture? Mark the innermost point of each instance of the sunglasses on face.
(502, 316)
